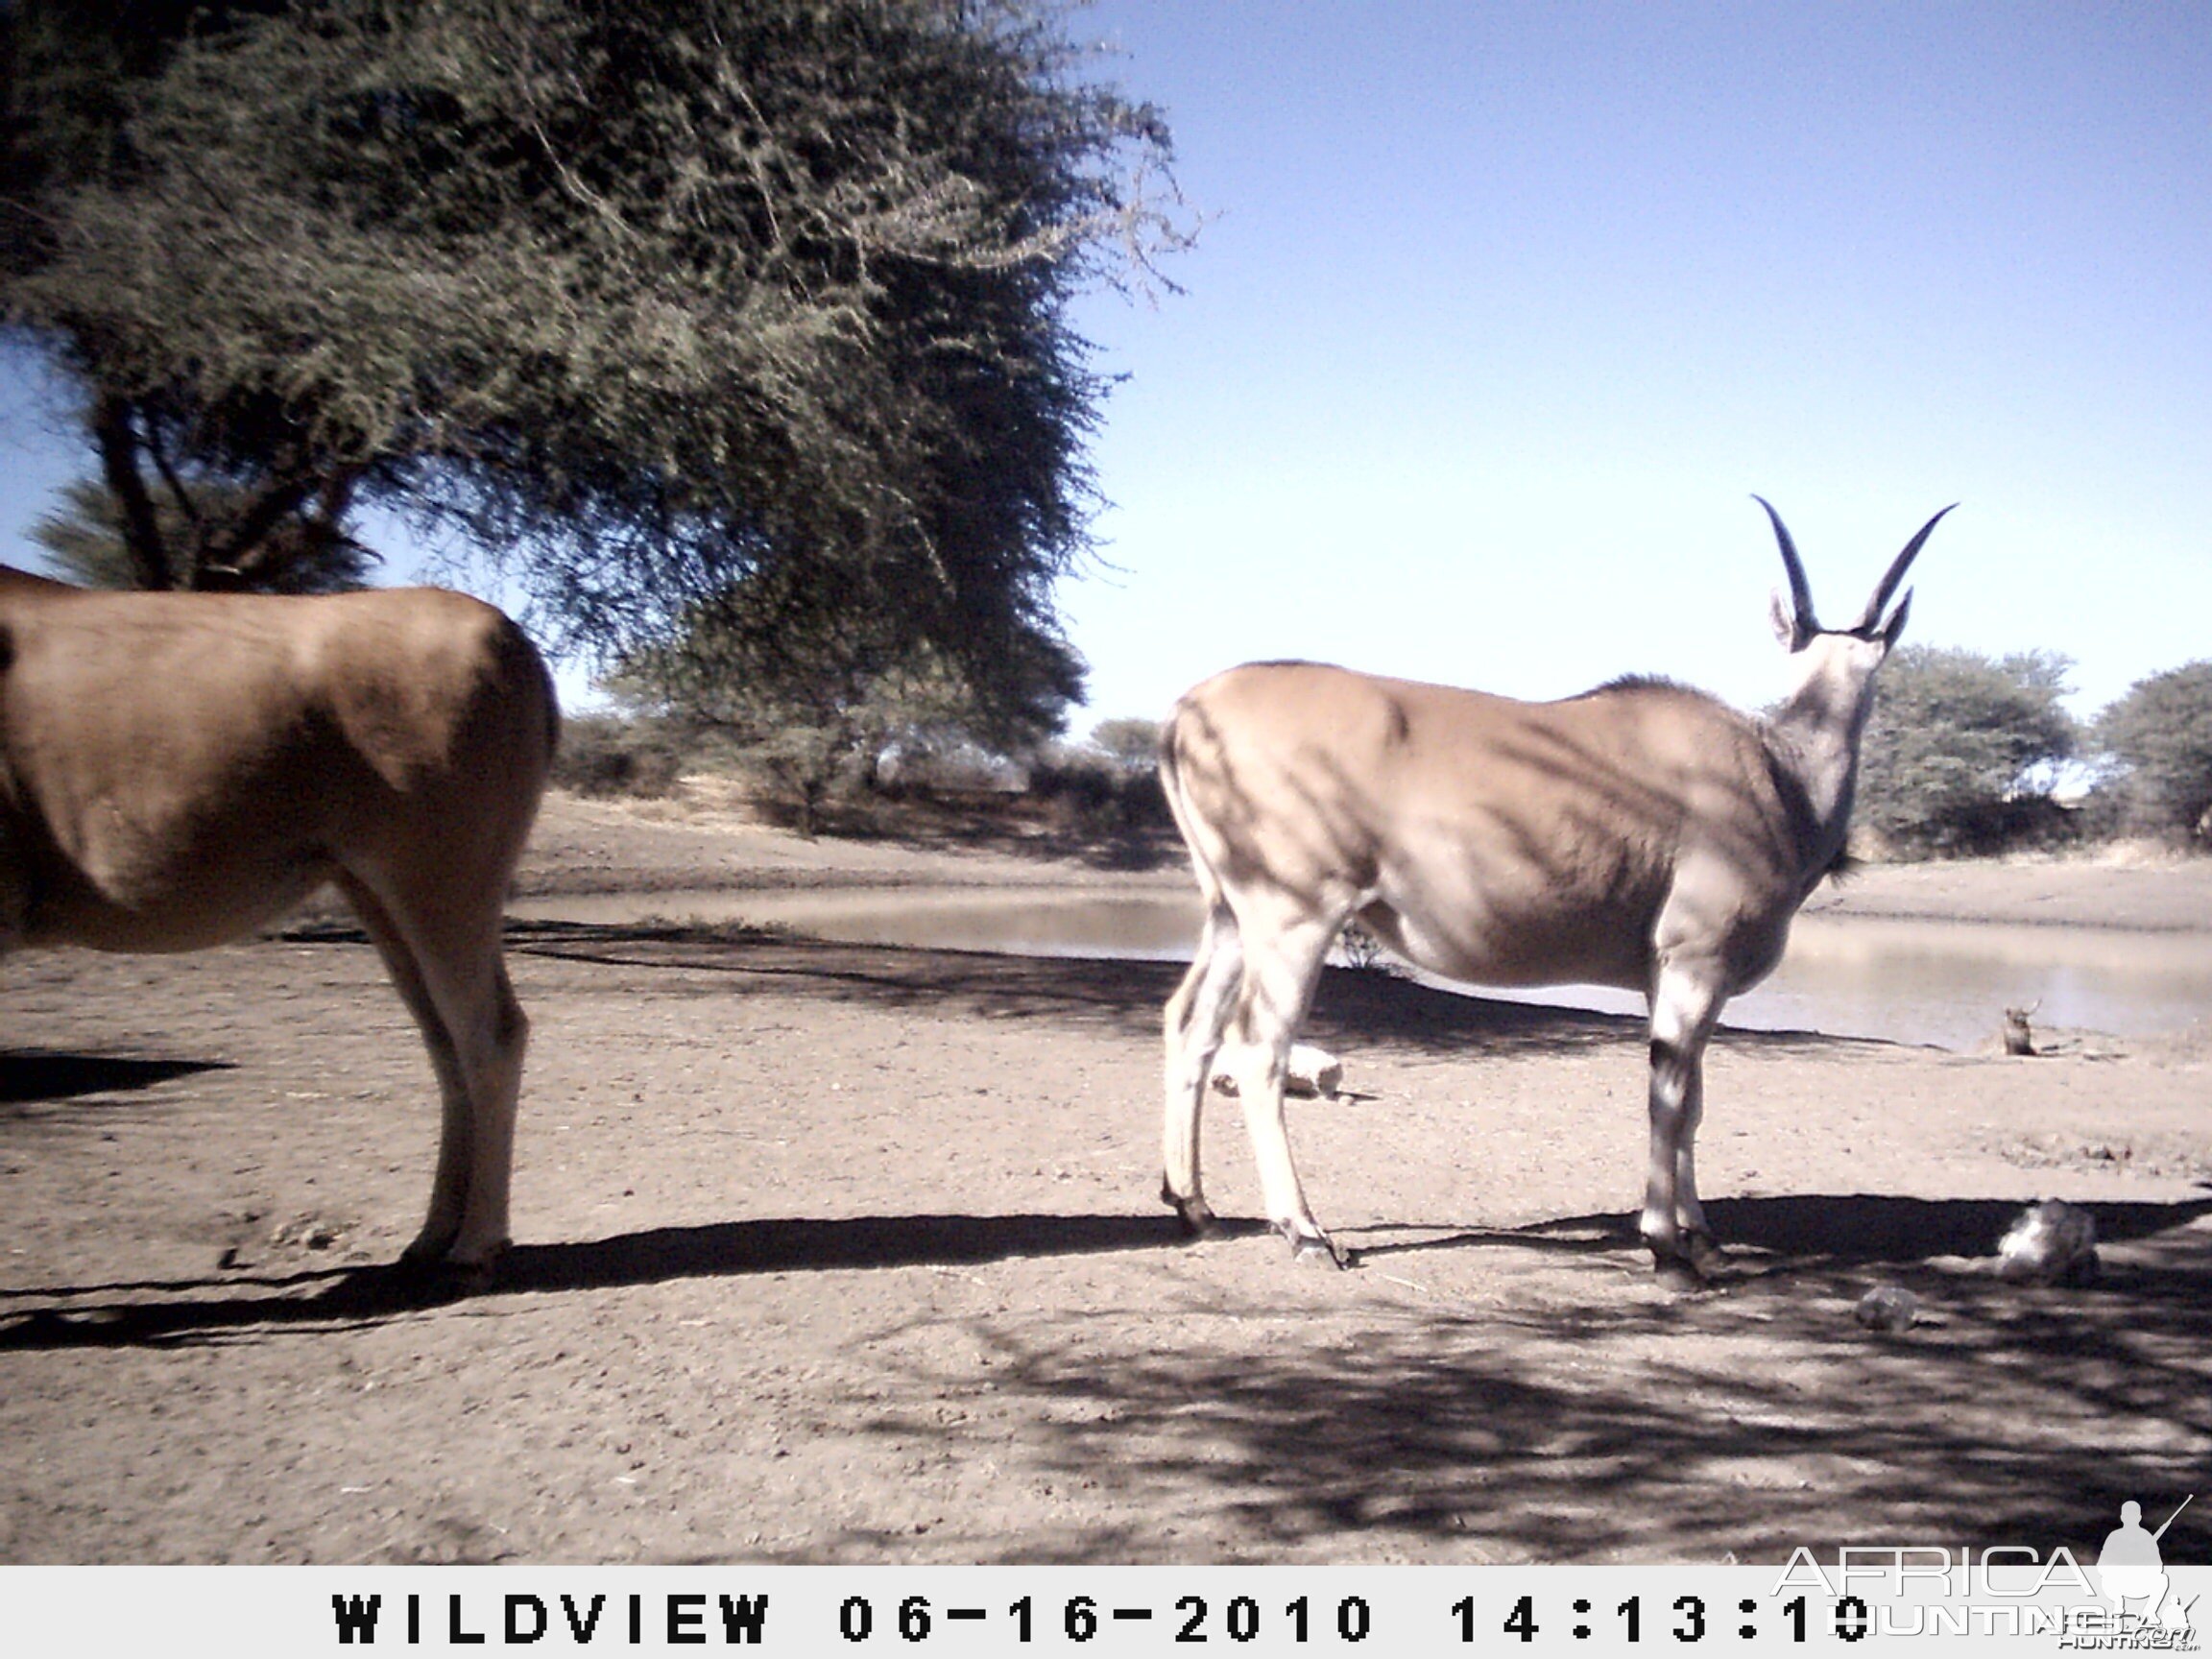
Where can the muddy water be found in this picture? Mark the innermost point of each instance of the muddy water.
(1016, 921)
(1942, 983)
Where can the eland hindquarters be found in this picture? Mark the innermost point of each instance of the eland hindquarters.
(183, 768)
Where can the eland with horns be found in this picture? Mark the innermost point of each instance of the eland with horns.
(1641, 835)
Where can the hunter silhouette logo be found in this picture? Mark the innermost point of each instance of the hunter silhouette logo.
(2124, 1603)
(2131, 1568)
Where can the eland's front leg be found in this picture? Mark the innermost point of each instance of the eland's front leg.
(1684, 1008)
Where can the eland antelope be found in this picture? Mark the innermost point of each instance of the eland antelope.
(1641, 835)
(179, 769)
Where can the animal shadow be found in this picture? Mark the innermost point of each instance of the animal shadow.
(30, 1076)
(1860, 1229)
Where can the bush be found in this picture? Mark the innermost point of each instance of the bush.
(2160, 736)
(1130, 746)
(608, 754)
(1963, 750)
(1093, 796)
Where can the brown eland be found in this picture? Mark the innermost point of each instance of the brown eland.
(1641, 835)
(181, 769)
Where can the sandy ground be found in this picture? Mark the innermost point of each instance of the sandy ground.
(842, 1254)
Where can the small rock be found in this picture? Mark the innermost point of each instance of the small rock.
(1888, 1308)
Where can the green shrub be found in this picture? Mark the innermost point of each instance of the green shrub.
(608, 754)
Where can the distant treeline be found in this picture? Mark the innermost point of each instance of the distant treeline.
(1966, 755)
(1973, 755)
(1098, 789)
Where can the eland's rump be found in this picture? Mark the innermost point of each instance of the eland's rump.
(182, 768)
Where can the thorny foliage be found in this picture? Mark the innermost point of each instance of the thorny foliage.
(642, 300)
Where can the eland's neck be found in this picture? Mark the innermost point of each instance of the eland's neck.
(1815, 738)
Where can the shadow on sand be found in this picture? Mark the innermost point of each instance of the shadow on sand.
(1767, 1237)
(31, 1076)
(1350, 1006)
(114, 1315)
(1732, 1426)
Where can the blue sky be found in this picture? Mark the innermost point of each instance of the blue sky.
(1506, 309)
(1502, 312)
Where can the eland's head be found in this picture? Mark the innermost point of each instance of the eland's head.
(1834, 666)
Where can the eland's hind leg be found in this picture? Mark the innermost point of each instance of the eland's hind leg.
(448, 967)
(1284, 945)
(467, 974)
(450, 1185)
(1197, 1015)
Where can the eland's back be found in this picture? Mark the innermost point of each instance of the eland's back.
(1492, 840)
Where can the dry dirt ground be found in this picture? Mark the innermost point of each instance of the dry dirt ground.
(832, 1254)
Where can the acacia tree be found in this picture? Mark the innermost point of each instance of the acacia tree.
(1962, 750)
(646, 300)
(1130, 745)
(815, 692)
(2161, 734)
(310, 552)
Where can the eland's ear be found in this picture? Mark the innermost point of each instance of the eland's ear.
(1896, 623)
(1785, 623)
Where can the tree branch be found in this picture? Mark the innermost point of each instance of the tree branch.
(188, 508)
(230, 558)
(114, 429)
(260, 565)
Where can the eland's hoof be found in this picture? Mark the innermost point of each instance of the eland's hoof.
(1197, 1218)
(436, 1274)
(1679, 1275)
(1307, 1245)
(1686, 1258)
(1705, 1258)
